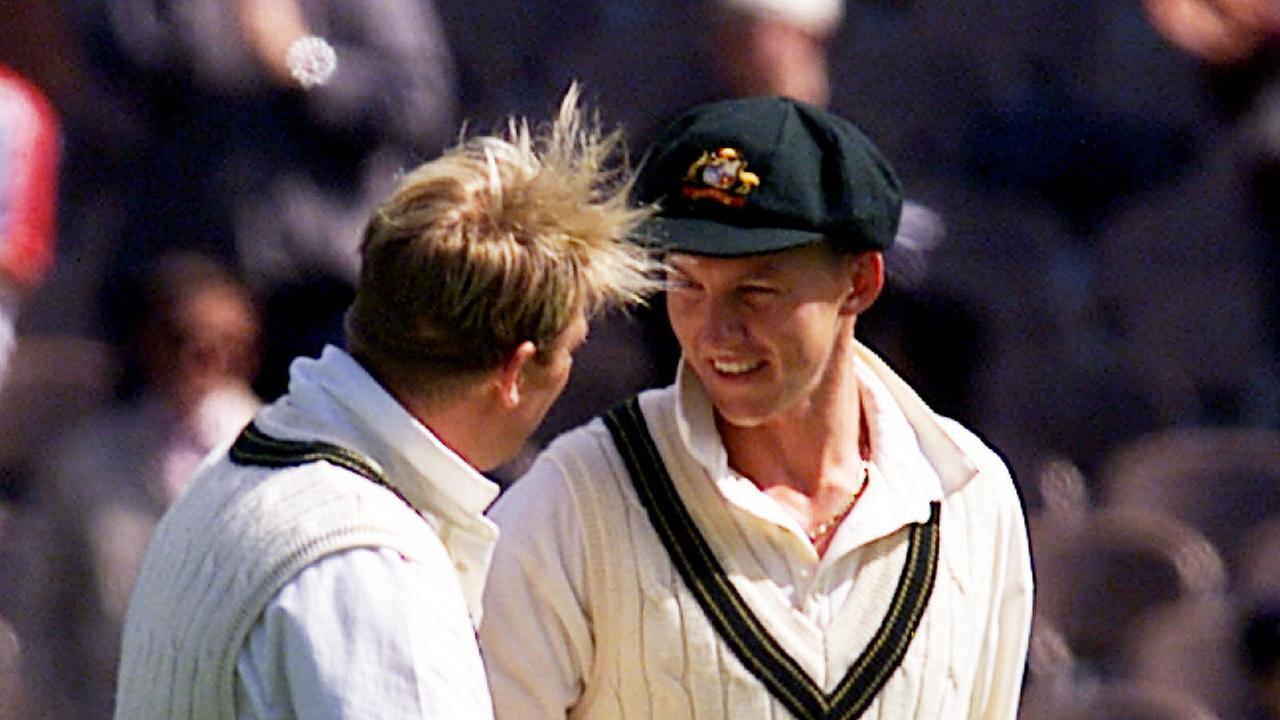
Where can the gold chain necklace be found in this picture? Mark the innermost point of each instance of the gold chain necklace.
(826, 526)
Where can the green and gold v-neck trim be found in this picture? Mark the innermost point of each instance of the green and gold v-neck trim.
(734, 621)
(254, 447)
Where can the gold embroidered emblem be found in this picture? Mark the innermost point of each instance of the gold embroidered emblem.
(721, 176)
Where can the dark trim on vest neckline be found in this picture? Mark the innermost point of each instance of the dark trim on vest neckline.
(728, 612)
(254, 447)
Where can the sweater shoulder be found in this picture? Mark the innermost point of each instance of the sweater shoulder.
(972, 445)
(590, 449)
(230, 510)
(552, 490)
(990, 499)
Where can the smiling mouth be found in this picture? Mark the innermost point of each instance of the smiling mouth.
(729, 367)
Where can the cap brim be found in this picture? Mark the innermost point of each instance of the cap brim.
(708, 237)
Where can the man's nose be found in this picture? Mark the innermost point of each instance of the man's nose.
(722, 323)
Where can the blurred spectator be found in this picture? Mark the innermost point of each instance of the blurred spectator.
(1226, 243)
(1261, 641)
(1048, 131)
(104, 155)
(775, 47)
(28, 176)
(191, 352)
(1220, 32)
(246, 164)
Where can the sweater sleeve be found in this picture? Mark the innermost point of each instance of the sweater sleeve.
(1003, 658)
(536, 635)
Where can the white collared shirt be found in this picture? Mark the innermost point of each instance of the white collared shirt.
(367, 632)
(817, 586)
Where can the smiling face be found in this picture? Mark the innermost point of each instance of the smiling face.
(760, 331)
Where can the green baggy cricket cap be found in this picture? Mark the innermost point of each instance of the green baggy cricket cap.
(763, 174)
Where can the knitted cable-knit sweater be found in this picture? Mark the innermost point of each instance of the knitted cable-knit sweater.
(587, 615)
(242, 532)
(216, 560)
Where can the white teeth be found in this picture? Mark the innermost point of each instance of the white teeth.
(732, 368)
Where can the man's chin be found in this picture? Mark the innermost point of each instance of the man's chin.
(740, 416)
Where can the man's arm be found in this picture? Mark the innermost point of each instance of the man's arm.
(536, 634)
(363, 634)
(395, 71)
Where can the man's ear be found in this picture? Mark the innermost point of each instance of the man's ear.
(508, 379)
(867, 280)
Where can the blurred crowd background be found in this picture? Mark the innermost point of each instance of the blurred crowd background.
(1086, 274)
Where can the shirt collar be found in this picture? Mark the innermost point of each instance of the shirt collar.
(953, 465)
(429, 474)
(902, 481)
(696, 422)
(914, 460)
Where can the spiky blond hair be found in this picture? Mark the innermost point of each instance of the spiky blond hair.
(500, 240)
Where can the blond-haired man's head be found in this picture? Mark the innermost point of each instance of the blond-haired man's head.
(502, 241)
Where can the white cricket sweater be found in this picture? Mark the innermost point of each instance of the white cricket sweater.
(586, 615)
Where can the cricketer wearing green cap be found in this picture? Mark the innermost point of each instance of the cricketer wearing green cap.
(788, 530)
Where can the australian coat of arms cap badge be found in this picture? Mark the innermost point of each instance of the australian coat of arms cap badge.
(721, 176)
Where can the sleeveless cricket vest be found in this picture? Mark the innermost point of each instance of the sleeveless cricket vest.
(181, 662)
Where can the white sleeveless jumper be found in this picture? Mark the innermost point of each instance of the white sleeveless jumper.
(240, 532)
(215, 562)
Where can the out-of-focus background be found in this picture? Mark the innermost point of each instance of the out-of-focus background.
(1086, 275)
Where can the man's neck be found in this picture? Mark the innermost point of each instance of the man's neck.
(457, 419)
(812, 448)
